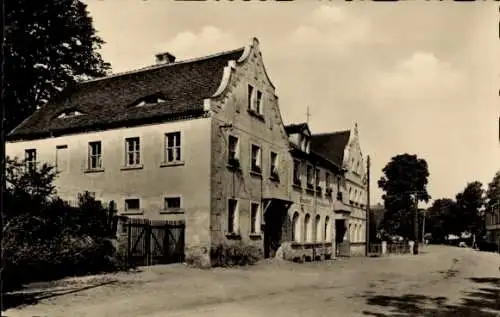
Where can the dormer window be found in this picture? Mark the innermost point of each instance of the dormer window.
(150, 100)
(69, 114)
(305, 144)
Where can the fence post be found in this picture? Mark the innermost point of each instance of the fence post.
(129, 242)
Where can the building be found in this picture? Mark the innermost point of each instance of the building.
(492, 220)
(314, 194)
(201, 140)
(343, 148)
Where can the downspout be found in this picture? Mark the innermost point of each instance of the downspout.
(367, 229)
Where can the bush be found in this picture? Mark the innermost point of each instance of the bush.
(228, 255)
(487, 246)
(52, 240)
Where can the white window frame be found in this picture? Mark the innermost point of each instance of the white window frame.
(176, 148)
(236, 217)
(172, 209)
(136, 151)
(251, 97)
(259, 102)
(236, 150)
(30, 161)
(258, 159)
(255, 222)
(127, 210)
(94, 154)
(273, 166)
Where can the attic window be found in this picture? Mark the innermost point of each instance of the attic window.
(69, 114)
(151, 100)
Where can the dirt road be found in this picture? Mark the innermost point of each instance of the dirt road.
(442, 282)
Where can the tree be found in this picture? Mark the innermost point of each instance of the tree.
(493, 194)
(49, 45)
(442, 219)
(27, 187)
(470, 203)
(404, 183)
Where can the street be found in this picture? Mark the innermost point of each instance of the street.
(442, 281)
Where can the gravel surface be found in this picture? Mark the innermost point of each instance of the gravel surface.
(443, 282)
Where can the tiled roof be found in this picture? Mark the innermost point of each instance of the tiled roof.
(109, 101)
(313, 157)
(331, 145)
(295, 128)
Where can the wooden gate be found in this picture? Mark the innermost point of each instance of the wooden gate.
(153, 242)
(344, 248)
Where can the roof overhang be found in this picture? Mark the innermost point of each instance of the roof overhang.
(340, 208)
(277, 201)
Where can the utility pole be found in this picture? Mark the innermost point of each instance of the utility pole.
(367, 229)
(414, 204)
(423, 228)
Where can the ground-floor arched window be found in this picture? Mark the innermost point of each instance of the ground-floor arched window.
(328, 229)
(308, 228)
(319, 232)
(296, 227)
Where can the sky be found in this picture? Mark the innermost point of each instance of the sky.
(418, 77)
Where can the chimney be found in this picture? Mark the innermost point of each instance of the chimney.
(164, 58)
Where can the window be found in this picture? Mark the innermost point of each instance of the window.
(327, 180)
(62, 158)
(172, 203)
(274, 165)
(296, 227)
(173, 147)
(95, 156)
(308, 228)
(259, 105)
(254, 217)
(317, 177)
(256, 158)
(318, 229)
(232, 216)
(303, 142)
(133, 152)
(296, 172)
(233, 150)
(69, 114)
(30, 159)
(309, 176)
(132, 204)
(250, 97)
(327, 229)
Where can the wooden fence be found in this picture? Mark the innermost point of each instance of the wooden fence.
(151, 242)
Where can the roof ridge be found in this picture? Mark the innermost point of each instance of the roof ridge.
(152, 67)
(297, 124)
(330, 133)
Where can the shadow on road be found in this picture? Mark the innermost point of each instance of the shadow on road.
(482, 301)
(11, 300)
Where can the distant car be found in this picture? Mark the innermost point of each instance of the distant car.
(462, 244)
